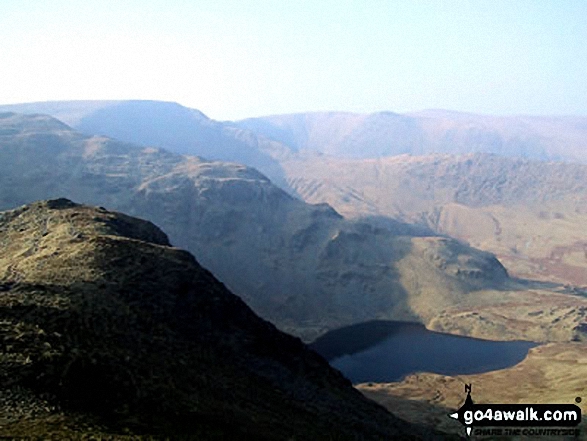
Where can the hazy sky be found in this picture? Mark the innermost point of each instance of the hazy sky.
(234, 59)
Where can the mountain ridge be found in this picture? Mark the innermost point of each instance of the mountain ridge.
(384, 134)
(310, 269)
(109, 331)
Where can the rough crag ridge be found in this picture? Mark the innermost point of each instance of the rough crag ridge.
(106, 330)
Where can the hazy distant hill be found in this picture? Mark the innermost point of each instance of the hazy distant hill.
(108, 331)
(258, 141)
(388, 134)
(302, 266)
(165, 125)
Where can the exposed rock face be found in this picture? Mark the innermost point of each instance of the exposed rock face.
(106, 329)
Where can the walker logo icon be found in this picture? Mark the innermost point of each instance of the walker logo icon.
(519, 416)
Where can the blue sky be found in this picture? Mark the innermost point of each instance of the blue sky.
(235, 59)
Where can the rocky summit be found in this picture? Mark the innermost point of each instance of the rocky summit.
(107, 331)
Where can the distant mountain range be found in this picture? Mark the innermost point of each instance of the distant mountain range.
(108, 332)
(165, 125)
(256, 141)
(328, 157)
(514, 186)
(385, 134)
(302, 266)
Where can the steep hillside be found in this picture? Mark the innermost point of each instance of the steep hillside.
(531, 214)
(389, 134)
(302, 266)
(107, 330)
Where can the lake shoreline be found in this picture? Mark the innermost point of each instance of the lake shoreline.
(384, 351)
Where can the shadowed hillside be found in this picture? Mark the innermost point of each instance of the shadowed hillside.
(108, 331)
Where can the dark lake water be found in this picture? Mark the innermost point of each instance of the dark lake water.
(383, 351)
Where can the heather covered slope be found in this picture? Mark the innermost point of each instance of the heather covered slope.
(107, 330)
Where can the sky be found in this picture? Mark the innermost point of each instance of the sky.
(234, 59)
